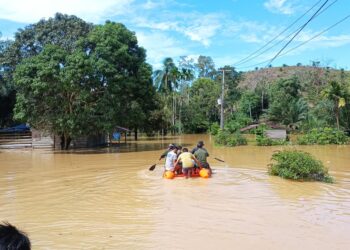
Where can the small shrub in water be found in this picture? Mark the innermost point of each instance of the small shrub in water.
(214, 128)
(298, 165)
(226, 138)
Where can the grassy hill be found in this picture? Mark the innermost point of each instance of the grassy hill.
(317, 76)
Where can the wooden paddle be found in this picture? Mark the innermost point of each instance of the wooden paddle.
(218, 159)
(151, 168)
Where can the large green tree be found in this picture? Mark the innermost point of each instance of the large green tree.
(103, 82)
(61, 30)
(7, 91)
(202, 109)
(286, 105)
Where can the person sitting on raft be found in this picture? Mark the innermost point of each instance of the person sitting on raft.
(201, 154)
(179, 164)
(166, 151)
(171, 159)
(187, 159)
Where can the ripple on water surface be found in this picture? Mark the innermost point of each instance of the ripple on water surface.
(111, 200)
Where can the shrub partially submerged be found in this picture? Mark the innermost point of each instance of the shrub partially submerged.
(226, 138)
(323, 136)
(298, 165)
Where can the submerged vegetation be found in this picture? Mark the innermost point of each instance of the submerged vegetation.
(225, 137)
(323, 136)
(298, 165)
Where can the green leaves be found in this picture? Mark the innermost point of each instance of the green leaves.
(100, 82)
(287, 105)
(298, 165)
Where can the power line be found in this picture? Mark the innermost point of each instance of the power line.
(273, 39)
(312, 17)
(317, 35)
(274, 45)
(296, 47)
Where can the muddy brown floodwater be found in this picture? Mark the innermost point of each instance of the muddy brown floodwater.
(107, 199)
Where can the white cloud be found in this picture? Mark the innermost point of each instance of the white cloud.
(199, 28)
(29, 11)
(160, 46)
(279, 6)
(202, 30)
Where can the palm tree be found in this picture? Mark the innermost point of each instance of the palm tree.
(186, 75)
(335, 93)
(166, 81)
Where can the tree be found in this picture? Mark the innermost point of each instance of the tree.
(286, 105)
(103, 82)
(61, 30)
(250, 104)
(205, 67)
(167, 81)
(337, 94)
(7, 91)
(202, 109)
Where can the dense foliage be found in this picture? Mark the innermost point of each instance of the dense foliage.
(61, 30)
(323, 136)
(287, 106)
(74, 78)
(101, 82)
(298, 165)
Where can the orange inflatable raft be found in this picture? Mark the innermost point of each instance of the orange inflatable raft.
(204, 173)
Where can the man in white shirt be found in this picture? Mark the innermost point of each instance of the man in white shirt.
(171, 159)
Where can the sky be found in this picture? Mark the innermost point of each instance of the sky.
(226, 30)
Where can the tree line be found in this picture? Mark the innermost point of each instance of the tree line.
(72, 78)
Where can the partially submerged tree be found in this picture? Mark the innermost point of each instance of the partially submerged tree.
(88, 90)
(61, 30)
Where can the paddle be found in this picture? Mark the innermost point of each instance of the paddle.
(151, 168)
(218, 159)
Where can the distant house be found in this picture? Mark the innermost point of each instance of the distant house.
(23, 136)
(278, 134)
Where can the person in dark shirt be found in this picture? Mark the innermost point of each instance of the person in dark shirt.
(201, 154)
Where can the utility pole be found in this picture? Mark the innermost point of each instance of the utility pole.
(222, 98)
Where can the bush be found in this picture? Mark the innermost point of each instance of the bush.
(214, 128)
(237, 121)
(226, 138)
(298, 165)
(265, 141)
(323, 136)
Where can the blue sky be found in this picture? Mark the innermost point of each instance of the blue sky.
(226, 30)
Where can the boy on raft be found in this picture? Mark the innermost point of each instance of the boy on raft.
(187, 159)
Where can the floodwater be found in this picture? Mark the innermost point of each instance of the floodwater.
(108, 199)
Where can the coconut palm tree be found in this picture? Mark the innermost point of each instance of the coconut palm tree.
(166, 81)
(336, 93)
